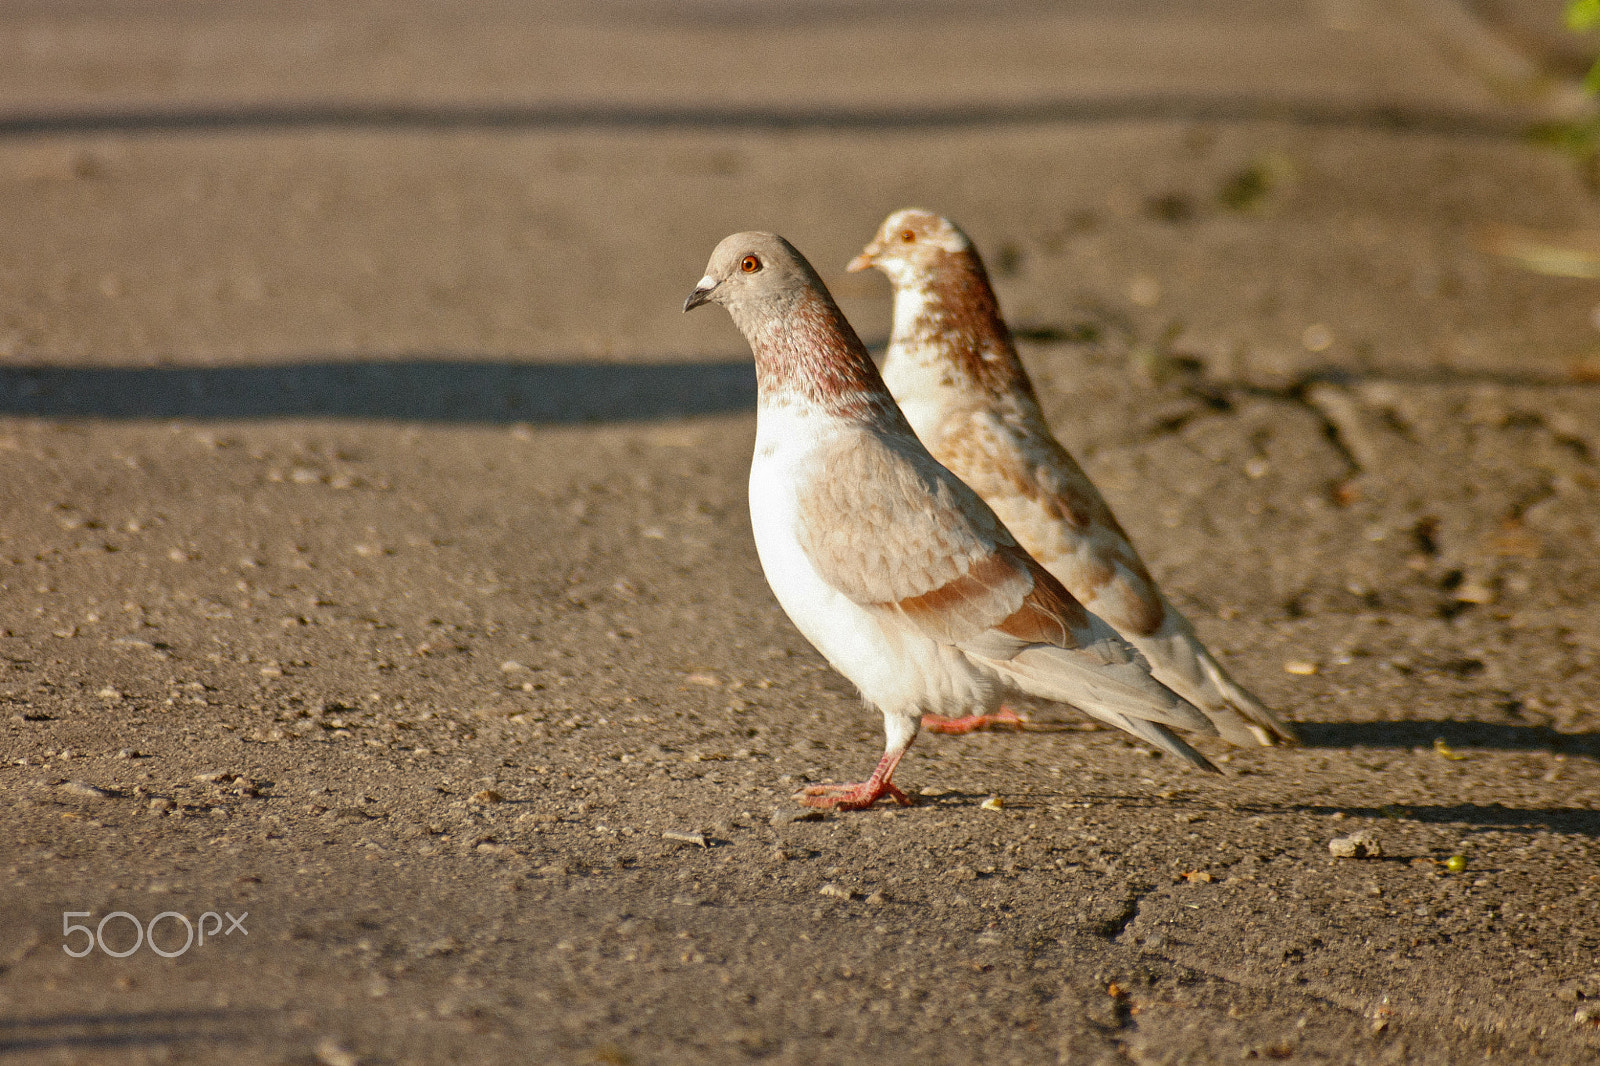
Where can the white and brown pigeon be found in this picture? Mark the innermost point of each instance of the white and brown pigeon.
(901, 576)
(953, 368)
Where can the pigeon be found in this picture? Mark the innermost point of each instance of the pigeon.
(899, 574)
(953, 368)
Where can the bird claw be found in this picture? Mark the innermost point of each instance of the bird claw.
(854, 797)
(1004, 718)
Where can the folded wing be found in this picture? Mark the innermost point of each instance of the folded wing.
(896, 532)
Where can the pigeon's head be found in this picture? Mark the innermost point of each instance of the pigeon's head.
(754, 272)
(912, 244)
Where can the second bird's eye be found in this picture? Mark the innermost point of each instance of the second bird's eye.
(909, 235)
(749, 264)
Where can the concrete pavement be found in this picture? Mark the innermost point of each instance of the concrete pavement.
(375, 558)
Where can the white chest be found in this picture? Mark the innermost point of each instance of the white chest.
(786, 442)
(920, 378)
(897, 669)
(916, 388)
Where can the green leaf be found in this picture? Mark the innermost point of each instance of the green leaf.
(1583, 15)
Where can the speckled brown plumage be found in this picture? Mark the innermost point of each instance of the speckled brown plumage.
(954, 369)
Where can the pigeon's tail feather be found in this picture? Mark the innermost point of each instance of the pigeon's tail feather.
(1122, 695)
(1163, 738)
(1124, 688)
(1267, 727)
(1181, 662)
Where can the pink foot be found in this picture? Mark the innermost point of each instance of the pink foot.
(852, 797)
(863, 795)
(1004, 718)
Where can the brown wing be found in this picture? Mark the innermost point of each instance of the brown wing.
(980, 611)
(890, 528)
(1053, 509)
(896, 532)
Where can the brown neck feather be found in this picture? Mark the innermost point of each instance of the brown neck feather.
(961, 317)
(811, 354)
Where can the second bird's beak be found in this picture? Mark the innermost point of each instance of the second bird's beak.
(864, 260)
(702, 292)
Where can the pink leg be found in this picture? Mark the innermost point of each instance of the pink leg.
(1004, 718)
(863, 795)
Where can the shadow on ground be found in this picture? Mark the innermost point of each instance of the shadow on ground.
(1484, 816)
(1575, 820)
(1151, 107)
(1455, 735)
(422, 390)
(120, 1029)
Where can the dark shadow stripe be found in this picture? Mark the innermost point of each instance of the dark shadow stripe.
(125, 1029)
(1574, 820)
(1457, 735)
(1449, 376)
(461, 117)
(428, 390)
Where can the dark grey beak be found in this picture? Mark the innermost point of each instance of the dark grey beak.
(700, 295)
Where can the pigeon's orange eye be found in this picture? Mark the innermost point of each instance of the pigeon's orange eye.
(909, 235)
(749, 264)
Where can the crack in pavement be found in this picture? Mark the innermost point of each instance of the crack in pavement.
(1112, 926)
(1324, 393)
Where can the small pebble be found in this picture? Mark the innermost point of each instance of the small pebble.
(686, 838)
(1299, 667)
(332, 1053)
(83, 788)
(834, 891)
(1360, 845)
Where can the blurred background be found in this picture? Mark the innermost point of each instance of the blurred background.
(1270, 186)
